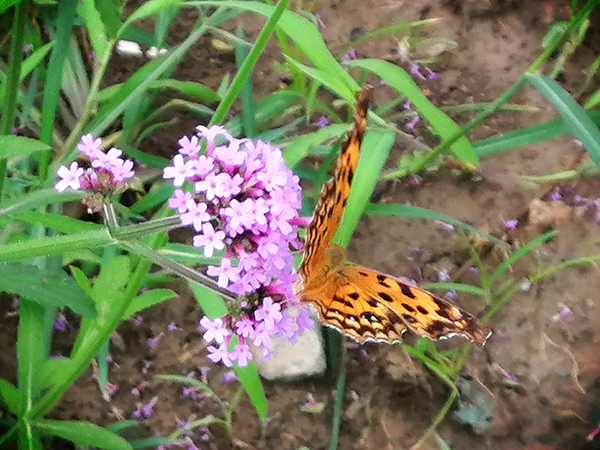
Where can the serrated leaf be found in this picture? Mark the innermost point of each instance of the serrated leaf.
(47, 287)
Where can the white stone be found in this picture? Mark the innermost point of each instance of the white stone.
(305, 358)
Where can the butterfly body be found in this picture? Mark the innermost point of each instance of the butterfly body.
(362, 303)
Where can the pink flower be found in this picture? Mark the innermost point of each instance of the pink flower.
(189, 147)
(215, 330)
(89, 146)
(269, 313)
(241, 354)
(179, 201)
(220, 354)
(122, 170)
(108, 160)
(228, 186)
(210, 239)
(179, 171)
(70, 177)
(226, 273)
(196, 214)
(244, 328)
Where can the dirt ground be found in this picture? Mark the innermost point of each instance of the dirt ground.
(390, 398)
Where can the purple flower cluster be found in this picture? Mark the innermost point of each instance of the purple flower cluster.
(243, 200)
(107, 175)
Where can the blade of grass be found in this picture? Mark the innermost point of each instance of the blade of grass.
(11, 85)
(575, 117)
(248, 118)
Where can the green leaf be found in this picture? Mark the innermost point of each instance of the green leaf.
(420, 213)
(110, 12)
(527, 136)
(594, 100)
(47, 287)
(96, 30)
(269, 108)
(148, 299)
(31, 351)
(212, 305)
(327, 79)
(38, 199)
(20, 147)
(300, 148)
(440, 123)
(576, 118)
(111, 280)
(55, 370)
(246, 98)
(9, 397)
(520, 253)
(458, 287)
(374, 153)
(5, 4)
(57, 222)
(191, 88)
(148, 8)
(154, 198)
(81, 433)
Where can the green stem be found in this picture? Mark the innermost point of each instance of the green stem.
(586, 169)
(249, 63)
(339, 400)
(12, 80)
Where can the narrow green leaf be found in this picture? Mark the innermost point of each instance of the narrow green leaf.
(246, 98)
(9, 397)
(374, 153)
(458, 287)
(19, 147)
(154, 198)
(440, 123)
(96, 30)
(38, 199)
(55, 370)
(594, 100)
(191, 88)
(148, 8)
(57, 222)
(420, 213)
(47, 287)
(148, 299)
(301, 146)
(269, 108)
(251, 383)
(212, 305)
(576, 118)
(31, 351)
(112, 279)
(82, 433)
(110, 12)
(331, 81)
(527, 136)
(520, 253)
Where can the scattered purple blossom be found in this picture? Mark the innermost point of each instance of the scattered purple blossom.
(511, 224)
(590, 437)
(172, 327)
(443, 275)
(415, 71)
(323, 122)
(229, 376)
(111, 388)
(245, 204)
(507, 376)
(136, 320)
(525, 286)
(146, 366)
(153, 342)
(473, 270)
(108, 173)
(410, 126)
(556, 195)
(444, 225)
(145, 410)
(564, 312)
(351, 55)
(451, 294)
(60, 324)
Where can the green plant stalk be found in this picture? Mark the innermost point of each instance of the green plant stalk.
(249, 63)
(575, 24)
(339, 400)
(89, 106)
(12, 79)
(587, 169)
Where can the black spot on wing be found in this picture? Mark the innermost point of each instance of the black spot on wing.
(342, 300)
(408, 307)
(354, 295)
(406, 290)
(385, 297)
(373, 302)
(381, 279)
(422, 310)
(364, 274)
(350, 176)
(408, 318)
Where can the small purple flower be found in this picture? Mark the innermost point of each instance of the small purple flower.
(323, 122)
(196, 215)
(556, 195)
(189, 146)
(525, 286)
(451, 294)
(407, 105)
(122, 170)
(303, 320)
(146, 366)
(511, 224)
(351, 55)
(473, 270)
(137, 320)
(410, 126)
(111, 388)
(153, 342)
(108, 160)
(229, 186)
(210, 240)
(566, 311)
(415, 71)
(89, 146)
(172, 327)
(179, 201)
(148, 408)
(211, 133)
(209, 186)
(444, 275)
(203, 165)
(135, 392)
(229, 376)
(242, 355)
(244, 328)
(220, 355)
(180, 171)
(226, 273)
(444, 225)
(431, 75)
(60, 324)
(230, 155)
(269, 313)
(70, 177)
(215, 330)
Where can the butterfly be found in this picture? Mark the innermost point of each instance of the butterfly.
(362, 303)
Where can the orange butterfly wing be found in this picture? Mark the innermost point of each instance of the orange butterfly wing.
(362, 303)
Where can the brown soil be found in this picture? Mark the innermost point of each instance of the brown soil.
(390, 399)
